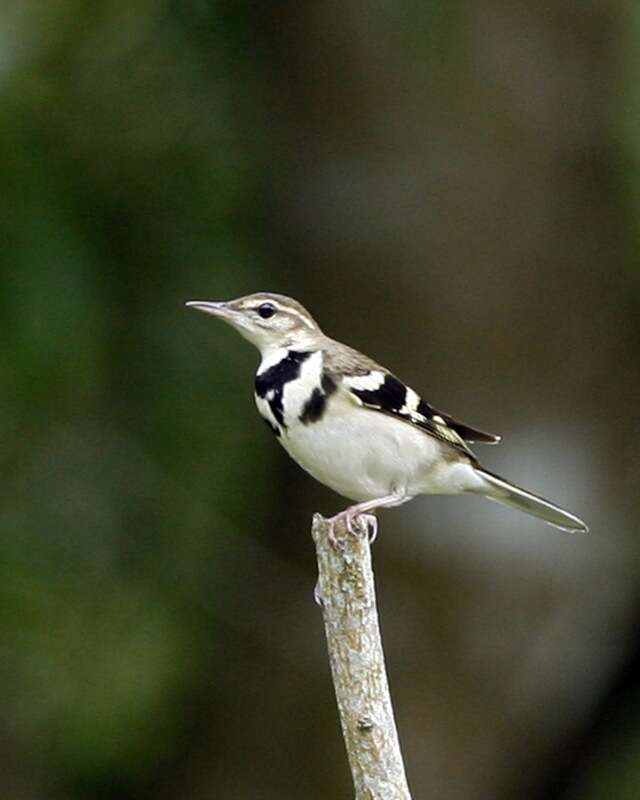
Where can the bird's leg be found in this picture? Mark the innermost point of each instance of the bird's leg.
(349, 515)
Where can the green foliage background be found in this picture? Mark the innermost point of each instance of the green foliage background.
(454, 187)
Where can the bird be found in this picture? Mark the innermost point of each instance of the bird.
(357, 428)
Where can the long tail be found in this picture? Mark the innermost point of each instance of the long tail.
(506, 493)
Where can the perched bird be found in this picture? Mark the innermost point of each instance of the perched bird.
(354, 426)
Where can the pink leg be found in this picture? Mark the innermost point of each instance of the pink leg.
(362, 509)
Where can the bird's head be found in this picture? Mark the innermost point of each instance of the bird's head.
(269, 321)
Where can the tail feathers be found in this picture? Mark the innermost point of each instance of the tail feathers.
(506, 493)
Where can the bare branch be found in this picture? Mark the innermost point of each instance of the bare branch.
(347, 593)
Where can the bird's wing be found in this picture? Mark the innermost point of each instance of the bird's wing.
(374, 387)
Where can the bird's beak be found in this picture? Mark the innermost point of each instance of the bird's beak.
(208, 307)
(224, 311)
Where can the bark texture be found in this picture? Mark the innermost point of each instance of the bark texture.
(346, 591)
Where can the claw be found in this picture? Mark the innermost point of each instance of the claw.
(350, 520)
(334, 541)
(372, 526)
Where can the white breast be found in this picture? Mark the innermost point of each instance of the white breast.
(363, 454)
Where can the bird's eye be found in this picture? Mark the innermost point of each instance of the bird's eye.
(266, 310)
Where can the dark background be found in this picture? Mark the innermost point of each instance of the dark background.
(453, 187)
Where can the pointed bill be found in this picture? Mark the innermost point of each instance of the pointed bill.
(207, 306)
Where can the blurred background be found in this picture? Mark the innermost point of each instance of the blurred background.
(453, 187)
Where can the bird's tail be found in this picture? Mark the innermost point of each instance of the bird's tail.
(506, 493)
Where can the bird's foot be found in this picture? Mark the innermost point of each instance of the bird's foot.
(335, 541)
(372, 526)
(349, 517)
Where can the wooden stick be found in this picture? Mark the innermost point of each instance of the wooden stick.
(346, 591)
